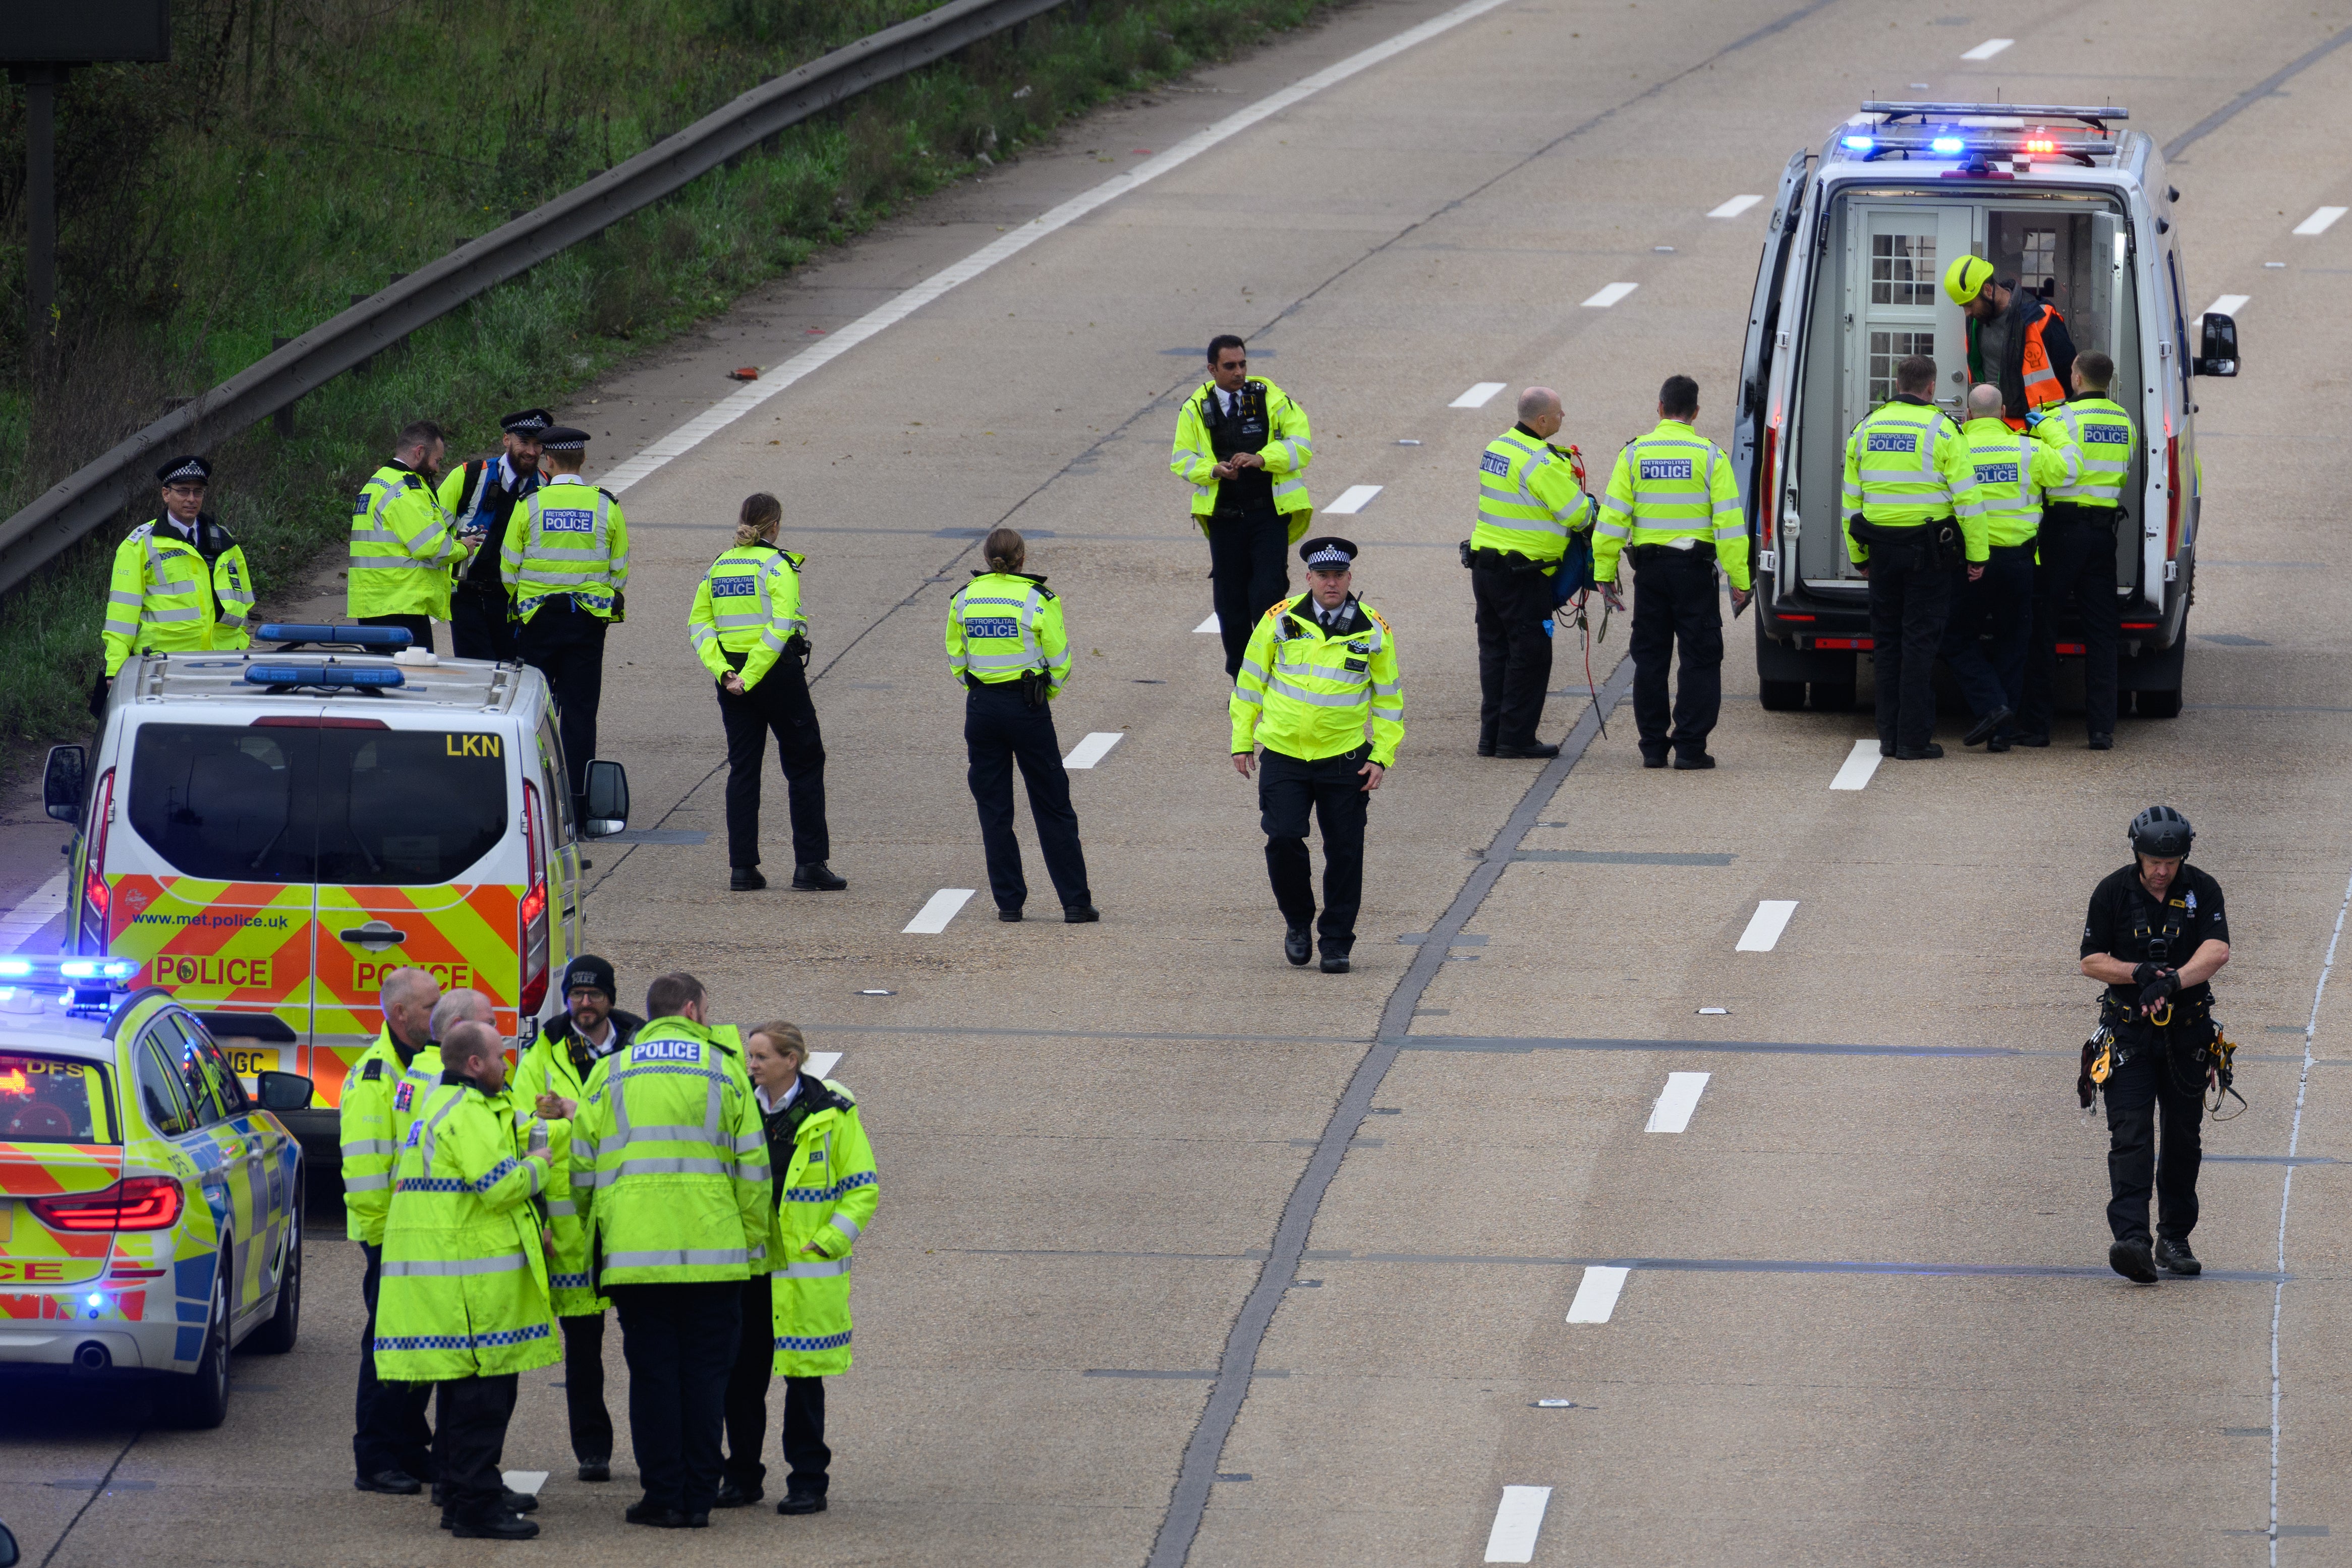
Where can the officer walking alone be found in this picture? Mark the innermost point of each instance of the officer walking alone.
(1244, 446)
(180, 581)
(402, 543)
(2078, 553)
(2156, 936)
(566, 560)
(479, 496)
(1531, 508)
(1318, 668)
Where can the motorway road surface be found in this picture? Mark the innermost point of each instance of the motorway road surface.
(1186, 1256)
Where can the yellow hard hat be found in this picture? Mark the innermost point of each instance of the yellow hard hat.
(1966, 278)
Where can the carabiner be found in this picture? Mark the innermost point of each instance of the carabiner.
(2164, 1017)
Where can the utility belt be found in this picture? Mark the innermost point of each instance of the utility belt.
(2194, 1052)
(1703, 550)
(2080, 515)
(797, 647)
(1936, 542)
(1513, 561)
(1035, 687)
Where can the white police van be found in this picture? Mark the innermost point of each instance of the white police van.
(2064, 203)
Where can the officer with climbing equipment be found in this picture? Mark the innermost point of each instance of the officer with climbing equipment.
(2016, 340)
(2014, 470)
(1244, 446)
(402, 543)
(180, 581)
(465, 1303)
(2078, 552)
(566, 562)
(1673, 506)
(2155, 936)
(1526, 555)
(1318, 669)
(747, 630)
(480, 495)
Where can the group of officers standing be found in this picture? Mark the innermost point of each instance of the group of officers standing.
(688, 1174)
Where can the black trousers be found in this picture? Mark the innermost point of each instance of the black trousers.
(1910, 595)
(2078, 563)
(2136, 1091)
(566, 644)
(998, 730)
(478, 627)
(1333, 788)
(1962, 648)
(679, 1342)
(747, 1405)
(778, 704)
(474, 1414)
(1249, 567)
(1674, 601)
(389, 1431)
(583, 1386)
(1514, 653)
(420, 627)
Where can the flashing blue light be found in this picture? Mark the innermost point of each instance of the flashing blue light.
(97, 968)
(350, 636)
(1948, 144)
(96, 1300)
(15, 968)
(1860, 143)
(322, 674)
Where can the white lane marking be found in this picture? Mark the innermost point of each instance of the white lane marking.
(1093, 749)
(1672, 1114)
(1517, 1519)
(2229, 304)
(1860, 764)
(1208, 625)
(1989, 48)
(2320, 221)
(726, 412)
(527, 1482)
(1764, 926)
(1734, 207)
(1352, 500)
(1611, 295)
(24, 922)
(821, 1063)
(933, 917)
(1596, 1294)
(1478, 396)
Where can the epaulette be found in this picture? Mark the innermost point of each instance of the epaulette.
(608, 495)
(373, 1071)
(1376, 616)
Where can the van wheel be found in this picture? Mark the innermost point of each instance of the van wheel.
(277, 1336)
(199, 1401)
(2159, 705)
(1780, 696)
(1833, 696)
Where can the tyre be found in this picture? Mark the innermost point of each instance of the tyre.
(1780, 696)
(1833, 696)
(198, 1401)
(2159, 705)
(277, 1336)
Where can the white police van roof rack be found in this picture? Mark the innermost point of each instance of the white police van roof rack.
(1974, 134)
(2095, 117)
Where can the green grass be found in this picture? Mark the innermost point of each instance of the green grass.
(265, 196)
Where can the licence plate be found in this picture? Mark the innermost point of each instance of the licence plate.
(249, 1061)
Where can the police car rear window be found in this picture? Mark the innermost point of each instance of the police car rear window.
(45, 1101)
(356, 806)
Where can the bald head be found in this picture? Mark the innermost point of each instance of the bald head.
(461, 1006)
(407, 999)
(1540, 411)
(1984, 400)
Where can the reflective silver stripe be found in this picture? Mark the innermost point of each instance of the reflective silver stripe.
(562, 1208)
(831, 1270)
(1614, 530)
(1251, 667)
(369, 1146)
(156, 617)
(750, 1143)
(411, 564)
(669, 1135)
(687, 1258)
(133, 599)
(845, 1225)
(1316, 699)
(367, 1183)
(1386, 688)
(506, 1263)
(1251, 697)
(1293, 488)
(631, 1165)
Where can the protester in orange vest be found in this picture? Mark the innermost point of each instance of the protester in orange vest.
(2015, 341)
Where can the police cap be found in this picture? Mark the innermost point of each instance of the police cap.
(564, 438)
(1328, 553)
(2162, 833)
(189, 470)
(528, 423)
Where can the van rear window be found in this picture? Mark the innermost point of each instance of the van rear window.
(364, 806)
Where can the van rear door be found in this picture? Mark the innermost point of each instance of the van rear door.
(1753, 459)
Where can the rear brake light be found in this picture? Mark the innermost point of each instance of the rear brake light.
(1861, 645)
(96, 896)
(315, 721)
(1766, 514)
(2076, 648)
(531, 916)
(1786, 616)
(2171, 491)
(134, 1203)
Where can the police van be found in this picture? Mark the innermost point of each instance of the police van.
(2066, 204)
(267, 833)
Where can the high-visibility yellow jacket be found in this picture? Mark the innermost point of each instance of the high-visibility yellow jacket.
(2103, 433)
(566, 536)
(1530, 498)
(749, 603)
(464, 1291)
(1907, 466)
(402, 547)
(1672, 484)
(669, 1164)
(176, 596)
(548, 1066)
(1004, 622)
(1271, 426)
(1309, 693)
(371, 1144)
(828, 1200)
(2013, 470)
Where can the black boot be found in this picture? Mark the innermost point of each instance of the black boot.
(1298, 944)
(2130, 1259)
(2176, 1257)
(745, 879)
(818, 877)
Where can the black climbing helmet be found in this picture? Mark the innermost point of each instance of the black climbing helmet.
(2163, 833)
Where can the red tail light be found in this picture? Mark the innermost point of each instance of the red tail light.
(2171, 492)
(530, 918)
(96, 896)
(134, 1203)
(1766, 514)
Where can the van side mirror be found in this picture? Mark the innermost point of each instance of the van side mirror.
(608, 800)
(283, 1091)
(2217, 354)
(61, 784)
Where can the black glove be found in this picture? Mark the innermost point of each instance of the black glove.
(2158, 989)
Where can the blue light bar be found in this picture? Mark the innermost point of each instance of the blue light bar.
(322, 674)
(98, 969)
(55, 971)
(1948, 144)
(350, 636)
(1859, 143)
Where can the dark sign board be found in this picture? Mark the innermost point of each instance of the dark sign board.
(36, 32)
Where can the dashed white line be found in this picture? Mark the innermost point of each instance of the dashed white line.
(821, 1063)
(1611, 295)
(1596, 1293)
(1093, 749)
(1352, 500)
(2229, 304)
(1672, 1114)
(1211, 624)
(2321, 221)
(1518, 1518)
(1989, 48)
(1764, 927)
(933, 917)
(1860, 764)
(24, 922)
(1478, 396)
(1734, 207)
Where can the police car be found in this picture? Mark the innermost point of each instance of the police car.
(2066, 204)
(151, 1209)
(267, 833)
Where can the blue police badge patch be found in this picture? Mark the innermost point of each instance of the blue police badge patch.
(734, 587)
(1666, 467)
(1909, 441)
(1996, 473)
(991, 626)
(666, 1051)
(2190, 901)
(2107, 435)
(1495, 462)
(566, 520)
